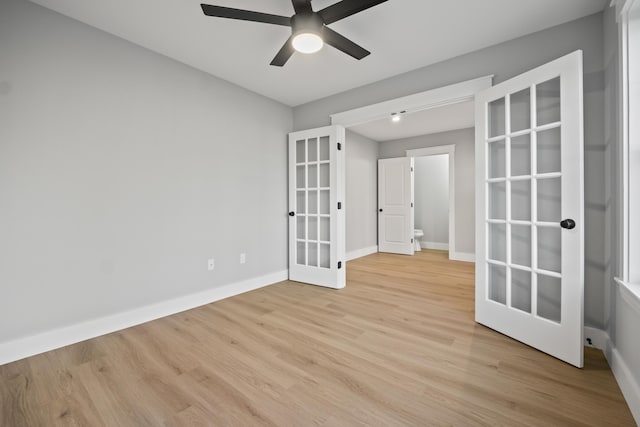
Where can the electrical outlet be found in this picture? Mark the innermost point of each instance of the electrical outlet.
(211, 264)
(243, 258)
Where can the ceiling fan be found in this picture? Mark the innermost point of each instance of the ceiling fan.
(309, 29)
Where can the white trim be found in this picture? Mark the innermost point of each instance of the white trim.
(625, 378)
(446, 95)
(597, 336)
(630, 293)
(437, 246)
(450, 150)
(462, 256)
(28, 346)
(359, 253)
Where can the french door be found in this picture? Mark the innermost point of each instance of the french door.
(395, 205)
(316, 207)
(529, 208)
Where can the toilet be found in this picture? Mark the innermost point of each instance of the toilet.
(417, 235)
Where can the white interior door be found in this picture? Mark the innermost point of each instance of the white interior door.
(316, 207)
(395, 205)
(529, 208)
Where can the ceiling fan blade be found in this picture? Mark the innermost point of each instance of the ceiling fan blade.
(345, 8)
(283, 54)
(342, 43)
(302, 6)
(245, 15)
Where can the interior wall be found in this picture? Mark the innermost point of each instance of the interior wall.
(122, 172)
(464, 177)
(504, 61)
(361, 168)
(431, 197)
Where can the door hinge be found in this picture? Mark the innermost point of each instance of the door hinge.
(339, 264)
(412, 204)
(339, 146)
(411, 240)
(339, 205)
(411, 169)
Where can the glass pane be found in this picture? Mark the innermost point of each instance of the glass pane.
(313, 227)
(300, 172)
(498, 242)
(313, 254)
(300, 205)
(497, 283)
(301, 232)
(548, 101)
(496, 118)
(312, 176)
(324, 148)
(521, 155)
(312, 202)
(325, 229)
(548, 149)
(313, 150)
(325, 256)
(300, 151)
(521, 200)
(521, 290)
(521, 110)
(549, 297)
(301, 253)
(549, 206)
(324, 175)
(550, 249)
(324, 202)
(496, 159)
(497, 200)
(521, 245)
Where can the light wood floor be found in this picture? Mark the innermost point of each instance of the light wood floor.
(398, 346)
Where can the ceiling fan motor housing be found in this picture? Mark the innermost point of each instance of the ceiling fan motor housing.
(306, 23)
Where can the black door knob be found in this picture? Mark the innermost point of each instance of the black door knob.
(380, 209)
(292, 214)
(568, 223)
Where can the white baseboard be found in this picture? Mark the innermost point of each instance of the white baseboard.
(627, 382)
(28, 346)
(358, 253)
(597, 336)
(462, 256)
(434, 245)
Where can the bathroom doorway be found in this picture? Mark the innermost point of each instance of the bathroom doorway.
(431, 202)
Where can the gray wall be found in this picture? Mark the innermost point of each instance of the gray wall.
(464, 177)
(361, 192)
(122, 171)
(506, 60)
(431, 196)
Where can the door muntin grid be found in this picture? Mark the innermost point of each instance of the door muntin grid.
(313, 202)
(523, 200)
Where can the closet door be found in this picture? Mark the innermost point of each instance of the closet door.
(316, 207)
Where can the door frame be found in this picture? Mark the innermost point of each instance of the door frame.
(438, 97)
(433, 98)
(449, 150)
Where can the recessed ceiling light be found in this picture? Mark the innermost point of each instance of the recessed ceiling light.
(395, 117)
(307, 43)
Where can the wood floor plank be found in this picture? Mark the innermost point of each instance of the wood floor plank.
(397, 347)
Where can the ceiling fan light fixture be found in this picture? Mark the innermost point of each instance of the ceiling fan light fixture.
(307, 42)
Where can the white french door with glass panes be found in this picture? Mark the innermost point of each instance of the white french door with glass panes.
(529, 201)
(316, 207)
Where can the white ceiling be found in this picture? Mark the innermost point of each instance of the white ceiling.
(401, 34)
(433, 120)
